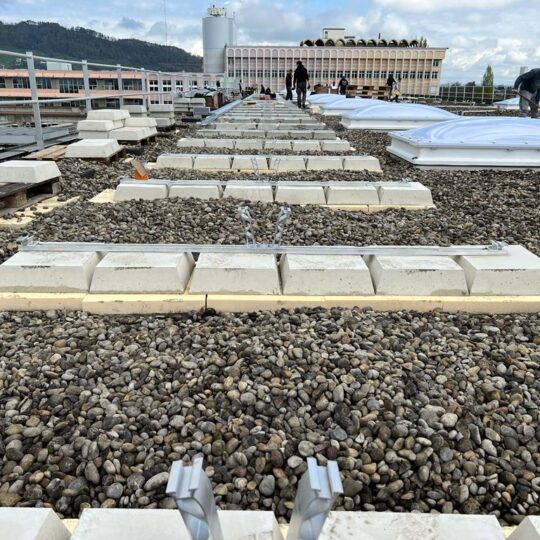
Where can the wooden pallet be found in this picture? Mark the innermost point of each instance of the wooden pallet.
(53, 153)
(119, 154)
(14, 196)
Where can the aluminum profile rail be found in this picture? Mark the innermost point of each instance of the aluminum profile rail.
(493, 249)
(263, 181)
(220, 112)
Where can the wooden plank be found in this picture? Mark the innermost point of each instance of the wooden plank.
(53, 153)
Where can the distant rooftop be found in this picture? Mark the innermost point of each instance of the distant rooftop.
(335, 37)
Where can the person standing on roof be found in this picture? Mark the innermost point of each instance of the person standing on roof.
(527, 87)
(300, 82)
(396, 91)
(288, 85)
(343, 85)
(390, 86)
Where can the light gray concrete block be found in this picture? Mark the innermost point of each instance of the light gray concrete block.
(135, 109)
(417, 276)
(408, 194)
(191, 143)
(164, 122)
(300, 134)
(410, 526)
(93, 134)
(163, 107)
(150, 524)
(31, 524)
(229, 144)
(144, 191)
(249, 163)
(306, 146)
(140, 122)
(287, 163)
(211, 161)
(324, 163)
(235, 273)
(142, 273)
(175, 161)
(254, 134)
(335, 146)
(196, 192)
(98, 125)
(132, 134)
(361, 163)
(277, 145)
(108, 114)
(300, 194)
(277, 134)
(528, 529)
(42, 271)
(25, 171)
(517, 273)
(249, 144)
(322, 275)
(324, 134)
(359, 195)
(245, 191)
(92, 148)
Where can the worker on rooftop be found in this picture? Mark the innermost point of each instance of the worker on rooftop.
(390, 82)
(343, 85)
(527, 86)
(289, 85)
(301, 78)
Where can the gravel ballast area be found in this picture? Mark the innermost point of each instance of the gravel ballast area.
(427, 412)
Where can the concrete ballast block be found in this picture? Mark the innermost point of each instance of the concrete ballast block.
(229, 144)
(98, 125)
(142, 273)
(355, 195)
(94, 134)
(175, 161)
(108, 114)
(324, 163)
(31, 524)
(322, 275)
(249, 192)
(517, 273)
(306, 146)
(140, 122)
(211, 161)
(249, 163)
(417, 275)
(235, 273)
(287, 163)
(144, 191)
(335, 146)
(249, 144)
(408, 194)
(24, 171)
(196, 192)
(129, 134)
(528, 529)
(361, 163)
(92, 148)
(191, 143)
(42, 271)
(300, 194)
(277, 145)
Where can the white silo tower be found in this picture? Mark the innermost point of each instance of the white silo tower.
(219, 30)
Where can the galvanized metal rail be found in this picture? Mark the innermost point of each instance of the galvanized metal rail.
(493, 249)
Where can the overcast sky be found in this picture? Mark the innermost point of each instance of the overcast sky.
(504, 33)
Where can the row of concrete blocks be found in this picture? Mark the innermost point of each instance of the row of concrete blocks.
(304, 120)
(148, 524)
(266, 126)
(268, 163)
(24, 171)
(339, 193)
(516, 273)
(321, 134)
(266, 144)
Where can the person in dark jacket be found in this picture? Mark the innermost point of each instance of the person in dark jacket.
(527, 87)
(343, 85)
(301, 78)
(390, 86)
(263, 90)
(288, 85)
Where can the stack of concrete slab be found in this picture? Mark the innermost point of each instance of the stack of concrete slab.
(136, 111)
(163, 114)
(272, 144)
(99, 149)
(101, 123)
(23, 171)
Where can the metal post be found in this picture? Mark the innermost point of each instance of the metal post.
(120, 86)
(160, 86)
(35, 104)
(86, 82)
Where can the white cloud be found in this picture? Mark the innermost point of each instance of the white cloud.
(443, 5)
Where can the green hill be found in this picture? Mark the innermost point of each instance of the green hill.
(53, 40)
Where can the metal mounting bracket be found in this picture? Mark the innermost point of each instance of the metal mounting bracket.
(317, 492)
(192, 491)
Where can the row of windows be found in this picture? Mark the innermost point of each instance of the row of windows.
(435, 63)
(73, 85)
(260, 73)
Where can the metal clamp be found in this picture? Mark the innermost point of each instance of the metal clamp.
(245, 216)
(283, 217)
(317, 492)
(192, 491)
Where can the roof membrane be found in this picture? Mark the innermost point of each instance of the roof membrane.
(318, 99)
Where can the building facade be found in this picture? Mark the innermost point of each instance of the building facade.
(418, 67)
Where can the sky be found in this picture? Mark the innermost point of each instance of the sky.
(503, 33)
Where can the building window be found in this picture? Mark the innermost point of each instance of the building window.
(376, 74)
(132, 84)
(2, 82)
(427, 75)
(332, 74)
(21, 82)
(369, 75)
(418, 74)
(384, 74)
(434, 74)
(354, 74)
(405, 75)
(194, 84)
(412, 75)
(153, 85)
(361, 74)
(111, 84)
(436, 63)
(71, 86)
(167, 85)
(43, 83)
(93, 84)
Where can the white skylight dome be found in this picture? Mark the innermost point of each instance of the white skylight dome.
(343, 106)
(386, 116)
(496, 142)
(318, 99)
(511, 104)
